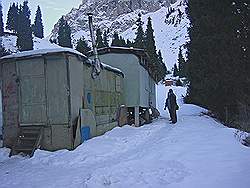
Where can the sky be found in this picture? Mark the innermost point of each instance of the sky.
(52, 10)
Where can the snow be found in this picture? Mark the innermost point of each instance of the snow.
(197, 151)
(42, 52)
(168, 37)
(9, 43)
(108, 67)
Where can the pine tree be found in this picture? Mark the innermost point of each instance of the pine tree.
(122, 42)
(162, 67)
(38, 24)
(99, 39)
(1, 21)
(64, 34)
(105, 39)
(182, 64)
(24, 31)
(156, 64)
(3, 52)
(139, 39)
(150, 42)
(82, 46)
(12, 18)
(175, 71)
(241, 17)
(217, 53)
(116, 40)
(129, 43)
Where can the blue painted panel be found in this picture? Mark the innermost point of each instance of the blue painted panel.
(85, 133)
(89, 98)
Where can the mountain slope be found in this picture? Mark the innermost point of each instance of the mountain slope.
(170, 32)
(117, 15)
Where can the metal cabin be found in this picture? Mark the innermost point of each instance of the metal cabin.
(139, 87)
(49, 96)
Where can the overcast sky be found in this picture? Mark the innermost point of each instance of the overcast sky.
(52, 10)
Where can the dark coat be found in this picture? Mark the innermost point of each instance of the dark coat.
(172, 106)
(171, 102)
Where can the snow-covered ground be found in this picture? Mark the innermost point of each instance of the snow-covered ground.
(195, 152)
(9, 43)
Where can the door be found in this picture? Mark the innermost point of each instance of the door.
(32, 98)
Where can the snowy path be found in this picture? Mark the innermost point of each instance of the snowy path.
(195, 152)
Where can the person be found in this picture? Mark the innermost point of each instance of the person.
(172, 106)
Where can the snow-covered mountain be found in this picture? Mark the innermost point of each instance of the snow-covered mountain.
(121, 15)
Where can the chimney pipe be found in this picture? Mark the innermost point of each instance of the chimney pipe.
(96, 64)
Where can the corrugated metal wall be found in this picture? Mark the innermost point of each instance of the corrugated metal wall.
(10, 103)
(129, 65)
(57, 134)
(138, 91)
(103, 96)
(50, 90)
(32, 100)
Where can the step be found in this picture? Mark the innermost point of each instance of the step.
(28, 138)
(30, 130)
(27, 143)
(23, 149)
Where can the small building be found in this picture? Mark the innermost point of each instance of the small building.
(168, 82)
(49, 90)
(139, 86)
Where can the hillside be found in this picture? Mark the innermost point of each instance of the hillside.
(170, 32)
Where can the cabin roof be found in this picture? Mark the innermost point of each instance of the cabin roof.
(136, 51)
(140, 53)
(42, 52)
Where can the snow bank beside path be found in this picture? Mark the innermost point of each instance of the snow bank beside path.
(195, 152)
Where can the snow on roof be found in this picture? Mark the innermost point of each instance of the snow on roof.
(136, 51)
(40, 52)
(108, 67)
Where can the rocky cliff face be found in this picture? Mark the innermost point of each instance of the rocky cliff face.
(169, 20)
(115, 15)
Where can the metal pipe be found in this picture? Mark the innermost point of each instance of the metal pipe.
(97, 67)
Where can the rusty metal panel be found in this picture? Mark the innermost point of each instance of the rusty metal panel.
(32, 92)
(61, 137)
(33, 108)
(31, 67)
(57, 91)
(144, 89)
(118, 87)
(76, 85)
(129, 65)
(47, 140)
(88, 83)
(101, 129)
(10, 103)
(111, 81)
